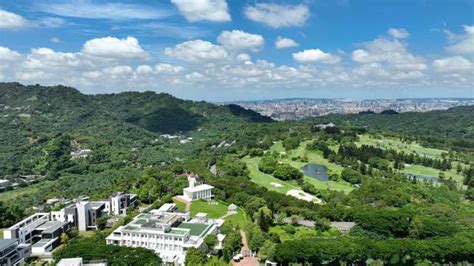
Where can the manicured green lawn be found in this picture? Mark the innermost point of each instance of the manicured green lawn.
(428, 171)
(265, 180)
(313, 157)
(277, 146)
(179, 205)
(1, 233)
(240, 218)
(213, 211)
(398, 145)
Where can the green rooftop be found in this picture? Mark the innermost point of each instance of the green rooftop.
(177, 232)
(196, 229)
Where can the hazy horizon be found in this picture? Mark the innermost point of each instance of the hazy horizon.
(243, 50)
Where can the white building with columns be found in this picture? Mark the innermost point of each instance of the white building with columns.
(197, 192)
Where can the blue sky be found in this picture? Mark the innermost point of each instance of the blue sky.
(228, 50)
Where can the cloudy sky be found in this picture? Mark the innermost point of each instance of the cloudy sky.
(223, 50)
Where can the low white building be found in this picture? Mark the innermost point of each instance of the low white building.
(197, 191)
(232, 209)
(166, 231)
(4, 184)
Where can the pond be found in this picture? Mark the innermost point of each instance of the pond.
(424, 178)
(317, 171)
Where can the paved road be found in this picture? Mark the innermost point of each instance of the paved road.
(247, 261)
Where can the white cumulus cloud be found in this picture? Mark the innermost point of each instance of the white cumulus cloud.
(390, 52)
(453, 64)
(144, 69)
(168, 69)
(114, 48)
(118, 70)
(240, 40)
(12, 21)
(278, 16)
(281, 43)
(197, 51)
(465, 42)
(398, 33)
(197, 10)
(315, 55)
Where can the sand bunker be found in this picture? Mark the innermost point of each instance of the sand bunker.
(303, 195)
(276, 184)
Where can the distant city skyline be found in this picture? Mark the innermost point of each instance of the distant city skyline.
(218, 50)
(284, 109)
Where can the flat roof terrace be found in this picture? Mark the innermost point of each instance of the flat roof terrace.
(195, 228)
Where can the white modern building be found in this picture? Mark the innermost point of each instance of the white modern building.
(38, 231)
(24, 230)
(166, 231)
(196, 191)
(84, 213)
(120, 202)
(79, 262)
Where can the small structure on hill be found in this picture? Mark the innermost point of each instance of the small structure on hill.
(232, 209)
(80, 153)
(344, 227)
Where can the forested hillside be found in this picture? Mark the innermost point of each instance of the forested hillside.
(35, 118)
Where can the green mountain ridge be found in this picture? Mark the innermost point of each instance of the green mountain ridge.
(31, 117)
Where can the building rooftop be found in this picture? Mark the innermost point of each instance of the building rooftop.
(70, 262)
(343, 225)
(50, 226)
(196, 229)
(166, 207)
(199, 188)
(4, 243)
(43, 242)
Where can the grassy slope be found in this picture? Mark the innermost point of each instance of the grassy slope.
(217, 211)
(263, 179)
(20, 191)
(213, 211)
(241, 218)
(398, 145)
(179, 205)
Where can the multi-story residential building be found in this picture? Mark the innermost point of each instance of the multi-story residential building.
(12, 252)
(49, 235)
(120, 202)
(37, 230)
(166, 231)
(24, 230)
(84, 213)
(196, 191)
